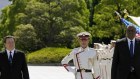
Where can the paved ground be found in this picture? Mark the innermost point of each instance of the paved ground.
(49, 72)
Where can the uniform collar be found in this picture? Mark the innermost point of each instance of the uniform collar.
(83, 49)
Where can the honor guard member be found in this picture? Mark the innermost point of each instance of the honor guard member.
(112, 48)
(84, 59)
(109, 58)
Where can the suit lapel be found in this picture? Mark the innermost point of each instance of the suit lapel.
(14, 57)
(127, 47)
(6, 58)
(136, 47)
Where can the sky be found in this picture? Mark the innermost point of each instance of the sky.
(3, 3)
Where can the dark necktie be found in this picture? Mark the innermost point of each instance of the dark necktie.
(131, 48)
(10, 57)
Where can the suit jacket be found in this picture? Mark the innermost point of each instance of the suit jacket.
(17, 70)
(122, 61)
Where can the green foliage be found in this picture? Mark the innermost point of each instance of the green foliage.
(26, 38)
(47, 55)
(56, 22)
(106, 24)
(52, 19)
(68, 37)
(36, 13)
(91, 4)
(8, 16)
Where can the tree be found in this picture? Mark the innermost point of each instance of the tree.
(8, 16)
(106, 24)
(56, 22)
(52, 18)
(26, 38)
(91, 4)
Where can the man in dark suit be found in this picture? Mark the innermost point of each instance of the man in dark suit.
(12, 62)
(126, 58)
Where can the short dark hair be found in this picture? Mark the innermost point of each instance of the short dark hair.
(9, 36)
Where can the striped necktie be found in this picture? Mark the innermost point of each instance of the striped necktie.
(10, 57)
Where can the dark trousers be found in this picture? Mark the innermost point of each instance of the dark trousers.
(132, 75)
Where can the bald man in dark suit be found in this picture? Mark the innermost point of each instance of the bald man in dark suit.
(126, 58)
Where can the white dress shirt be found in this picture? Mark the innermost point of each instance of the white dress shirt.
(8, 52)
(129, 41)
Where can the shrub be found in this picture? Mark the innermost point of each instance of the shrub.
(47, 55)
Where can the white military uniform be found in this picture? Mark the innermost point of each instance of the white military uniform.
(103, 62)
(84, 59)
